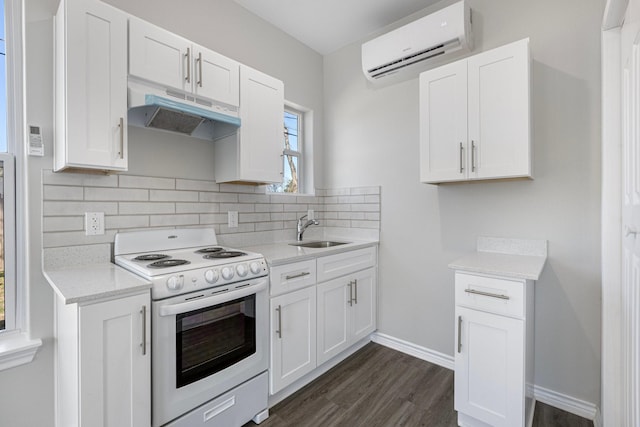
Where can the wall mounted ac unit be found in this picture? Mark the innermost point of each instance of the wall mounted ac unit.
(426, 39)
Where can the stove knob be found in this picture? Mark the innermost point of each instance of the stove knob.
(227, 273)
(255, 267)
(241, 269)
(174, 283)
(211, 276)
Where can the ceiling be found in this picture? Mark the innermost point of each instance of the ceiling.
(327, 25)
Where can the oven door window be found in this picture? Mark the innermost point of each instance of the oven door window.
(211, 339)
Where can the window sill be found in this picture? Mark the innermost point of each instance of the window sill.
(17, 349)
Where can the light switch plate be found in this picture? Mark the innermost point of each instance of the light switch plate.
(232, 219)
(94, 223)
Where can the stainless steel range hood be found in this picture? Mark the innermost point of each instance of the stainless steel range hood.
(179, 112)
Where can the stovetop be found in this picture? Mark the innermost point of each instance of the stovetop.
(184, 260)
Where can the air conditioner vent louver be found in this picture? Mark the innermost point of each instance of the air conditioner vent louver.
(445, 31)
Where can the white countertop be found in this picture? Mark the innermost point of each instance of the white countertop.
(283, 252)
(498, 264)
(507, 257)
(93, 282)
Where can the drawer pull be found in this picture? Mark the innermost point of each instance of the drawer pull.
(279, 330)
(295, 276)
(486, 294)
(217, 410)
(459, 334)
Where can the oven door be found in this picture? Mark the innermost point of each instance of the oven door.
(205, 343)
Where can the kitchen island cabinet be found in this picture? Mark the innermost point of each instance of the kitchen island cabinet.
(90, 86)
(475, 117)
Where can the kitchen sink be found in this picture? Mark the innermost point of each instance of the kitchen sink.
(318, 244)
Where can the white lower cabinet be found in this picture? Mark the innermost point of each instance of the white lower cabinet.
(346, 312)
(104, 363)
(312, 323)
(293, 337)
(494, 351)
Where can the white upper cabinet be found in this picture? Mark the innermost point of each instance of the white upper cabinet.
(475, 117)
(258, 146)
(90, 86)
(170, 61)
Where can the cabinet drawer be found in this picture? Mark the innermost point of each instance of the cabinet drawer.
(500, 296)
(289, 277)
(233, 408)
(332, 266)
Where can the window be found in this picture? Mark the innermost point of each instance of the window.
(7, 204)
(292, 181)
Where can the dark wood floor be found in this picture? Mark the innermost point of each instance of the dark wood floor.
(378, 386)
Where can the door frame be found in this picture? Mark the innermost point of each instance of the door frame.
(611, 210)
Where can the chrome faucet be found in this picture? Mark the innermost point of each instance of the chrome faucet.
(303, 226)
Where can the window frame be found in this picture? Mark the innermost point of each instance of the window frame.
(304, 154)
(16, 345)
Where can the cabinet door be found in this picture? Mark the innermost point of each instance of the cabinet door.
(115, 363)
(217, 77)
(499, 112)
(334, 321)
(443, 123)
(293, 337)
(91, 104)
(364, 304)
(489, 367)
(262, 131)
(160, 56)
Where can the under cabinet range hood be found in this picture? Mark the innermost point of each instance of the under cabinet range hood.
(174, 111)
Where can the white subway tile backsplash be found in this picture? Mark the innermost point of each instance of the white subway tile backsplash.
(194, 185)
(138, 202)
(219, 197)
(126, 221)
(130, 181)
(173, 196)
(60, 208)
(143, 208)
(115, 194)
(178, 219)
(63, 192)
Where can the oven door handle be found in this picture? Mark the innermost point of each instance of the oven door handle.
(185, 307)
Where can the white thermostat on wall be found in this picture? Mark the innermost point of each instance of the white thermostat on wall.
(36, 146)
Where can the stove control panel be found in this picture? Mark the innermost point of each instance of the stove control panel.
(207, 277)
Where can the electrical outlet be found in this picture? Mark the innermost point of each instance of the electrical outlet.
(233, 219)
(94, 223)
(311, 214)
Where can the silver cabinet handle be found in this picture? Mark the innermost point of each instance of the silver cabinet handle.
(473, 156)
(350, 301)
(121, 152)
(461, 153)
(629, 230)
(295, 276)
(355, 285)
(486, 294)
(200, 69)
(188, 56)
(144, 330)
(459, 334)
(279, 330)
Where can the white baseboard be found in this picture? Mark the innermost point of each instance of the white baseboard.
(570, 404)
(414, 350)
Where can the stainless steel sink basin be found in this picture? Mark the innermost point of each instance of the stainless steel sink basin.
(318, 244)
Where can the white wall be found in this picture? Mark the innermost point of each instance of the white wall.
(372, 139)
(222, 25)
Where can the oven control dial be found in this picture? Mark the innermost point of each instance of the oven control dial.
(211, 276)
(174, 283)
(241, 269)
(227, 273)
(255, 267)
